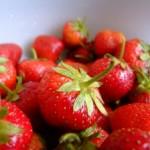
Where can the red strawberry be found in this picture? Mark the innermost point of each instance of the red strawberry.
(120, 79)
(11, 51)
(25, 97)
(62, 98)
(16, 130)
(136, 115)
(108, 41)
(34, 69)
(137, 54)
(36, 143)
(75, 33)
(48, 46)
(127, 139)
(7, 74)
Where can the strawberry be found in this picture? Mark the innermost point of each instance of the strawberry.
(36, 143)
(11, 51)
(127, 139)
(137, 54)
(34, 69)
(15, 128)
(108, 41)
(48, 46)
(75, 33)
(68, 97)
(120, 79)
(24, 96)
(7, 74)
(136, 115)
(89, 139)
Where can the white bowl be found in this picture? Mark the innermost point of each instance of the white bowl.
(22, 20)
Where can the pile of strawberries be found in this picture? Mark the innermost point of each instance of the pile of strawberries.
(76, 94)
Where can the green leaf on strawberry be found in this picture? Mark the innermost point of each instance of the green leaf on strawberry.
(6, 128)
(85, 85)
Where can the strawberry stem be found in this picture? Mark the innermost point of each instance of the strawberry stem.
(34, 54)
(122, 51)
(100, 75)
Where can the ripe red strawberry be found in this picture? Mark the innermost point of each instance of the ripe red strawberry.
(64, 101)
(48, 46)
(136, 115)
(108, 41)
(34, 69)
(137, 54)
(75, 33)
(36, 143)
(25, 97)
(120, 79)
(127, 139)
(11, 51)
(16, 130)
(7, 74)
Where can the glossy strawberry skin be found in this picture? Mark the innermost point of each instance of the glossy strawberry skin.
(136, 115)
(140, 97)
(57, 107)
(107, 41)
(118, 80)
(48, 46)
(33, 70)
(9, 77)
(127, 139)
(11, 51)
(27, 101)
(72, 37)
(17, 117)
(133, 51)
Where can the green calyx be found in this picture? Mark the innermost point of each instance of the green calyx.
(7, 128)
(145, 56)
(34, 54)
(80, 26)
(12, 95)
(81, 140)
(143, 81)
(3, 60)
(85, 85)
